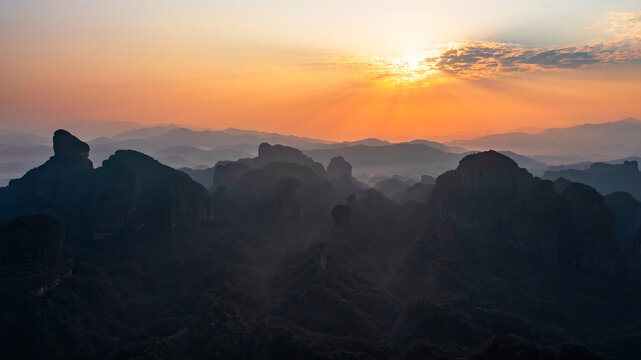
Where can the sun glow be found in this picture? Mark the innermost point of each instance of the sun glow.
(408, 71)
(405, 71)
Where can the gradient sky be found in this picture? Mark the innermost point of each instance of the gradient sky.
(331, 69)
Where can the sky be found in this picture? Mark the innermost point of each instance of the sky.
(333, 69)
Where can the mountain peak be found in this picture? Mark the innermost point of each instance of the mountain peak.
(67, 145)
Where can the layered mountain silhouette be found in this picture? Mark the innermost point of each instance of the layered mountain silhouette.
(286, 258)
(592, 142)
(604, 177)
(130, 191)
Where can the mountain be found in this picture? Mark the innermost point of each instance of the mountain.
(283, 262)
(204, 177)
(35, 258)
(536, 167)
(192, 156)
(130, 191)
(440, 146)
(606, 178)
(166, 137)
(272, 136)
(142, 133)
(268, 154)
(367, 142)
(591, 142)
(410, 160)
(378, 142)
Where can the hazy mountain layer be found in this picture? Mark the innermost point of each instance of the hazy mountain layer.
(295, 261)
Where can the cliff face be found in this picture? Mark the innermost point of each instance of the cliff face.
(33, 255)
(482, 186)
(275, 279)
(60, 186)
(131, 190)
(489, 192)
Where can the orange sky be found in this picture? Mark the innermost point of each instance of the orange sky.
(442, 91)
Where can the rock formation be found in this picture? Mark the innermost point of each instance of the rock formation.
(33, 255)
(482, 186)
(132, 191)
(339, 174)
(61, 186)
(341, 216)
(226, 172)
(66, 145)
(339, 169)
(129, 191)
(268, 154)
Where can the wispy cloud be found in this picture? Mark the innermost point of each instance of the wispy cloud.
(621, 25)
(483, 59)
(486, 59)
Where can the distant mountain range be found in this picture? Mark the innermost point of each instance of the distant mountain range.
(180, 147)
(588, 142)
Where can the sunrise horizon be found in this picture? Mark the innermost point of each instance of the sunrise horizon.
(395, 74)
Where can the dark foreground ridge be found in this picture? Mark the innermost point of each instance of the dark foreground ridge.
(283, 259)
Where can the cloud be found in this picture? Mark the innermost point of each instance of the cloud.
(480, 59)
(621, 25)
(619, 43)
(484, 59)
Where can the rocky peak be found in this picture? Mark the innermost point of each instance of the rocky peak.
(488, 171)
(68, 146)
(482, 186)
(268, 154)
(341, 215)
(486, 167)
(339, 168)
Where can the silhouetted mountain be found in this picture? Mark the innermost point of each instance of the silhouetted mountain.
(142, 133)
(34, 258)
(591, 142)
(268, 154)
(394, 185)
(290, 264)
(437, 145)
(339, 174)
(366, 142)
(131, 191)
(489, 190)
(411, 160)
(193, 156)
(606, 178)
(535, 167)
(60, 186)
(226, 172)
(627, 211)
(204, 176)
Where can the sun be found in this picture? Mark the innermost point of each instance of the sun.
(418, 70)
(408, 71)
